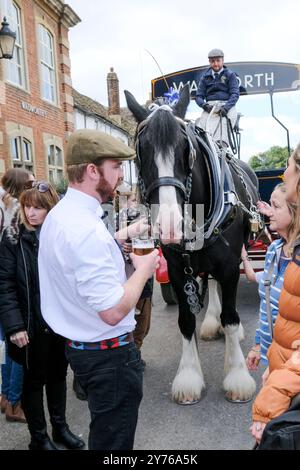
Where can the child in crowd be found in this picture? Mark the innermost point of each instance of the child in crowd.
(283, 382)
(282, 220)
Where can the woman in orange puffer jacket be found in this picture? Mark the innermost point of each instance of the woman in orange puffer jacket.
(284, 353)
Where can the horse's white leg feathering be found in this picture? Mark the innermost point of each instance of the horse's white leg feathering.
(189, 382)
(211, 325)
(238, 383)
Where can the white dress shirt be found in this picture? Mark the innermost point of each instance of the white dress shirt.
(81, 271)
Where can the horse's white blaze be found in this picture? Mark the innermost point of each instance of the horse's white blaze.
(238, 382)
(169, 216)
(189, 382)
(211, 325)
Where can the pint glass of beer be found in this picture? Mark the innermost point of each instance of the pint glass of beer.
(142, 246)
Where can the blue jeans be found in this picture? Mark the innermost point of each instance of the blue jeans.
(113, 382)
(12, 380)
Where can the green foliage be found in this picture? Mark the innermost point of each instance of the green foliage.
(62, 186)
(275, 157)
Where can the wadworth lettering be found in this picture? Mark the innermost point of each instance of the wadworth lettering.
(253, 77)
(32, 109)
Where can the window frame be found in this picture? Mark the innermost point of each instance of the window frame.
(55, 168)
(18, 59)
(20, 144)
(51, 68)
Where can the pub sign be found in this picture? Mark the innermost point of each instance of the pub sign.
(254, 78)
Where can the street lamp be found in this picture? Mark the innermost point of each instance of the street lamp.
(7, 40)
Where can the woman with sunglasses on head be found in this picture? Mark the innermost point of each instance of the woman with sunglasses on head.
(31, 342)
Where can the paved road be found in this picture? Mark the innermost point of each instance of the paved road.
(213, 423)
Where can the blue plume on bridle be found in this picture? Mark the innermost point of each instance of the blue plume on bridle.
(172, 96)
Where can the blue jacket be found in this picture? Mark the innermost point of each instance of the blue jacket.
(224, 88)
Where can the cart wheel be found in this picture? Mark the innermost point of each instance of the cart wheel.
(168, 294)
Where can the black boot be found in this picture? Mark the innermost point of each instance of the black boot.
(56, 397)
(41, 441)
(56, 393)
(67, 438)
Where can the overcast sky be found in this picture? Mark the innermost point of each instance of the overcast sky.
(116, 33)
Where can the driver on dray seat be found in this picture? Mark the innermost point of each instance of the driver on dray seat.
(218, 86)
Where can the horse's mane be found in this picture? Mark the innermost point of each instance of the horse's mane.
(163, 131)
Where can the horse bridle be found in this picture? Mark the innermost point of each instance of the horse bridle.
(166, 180)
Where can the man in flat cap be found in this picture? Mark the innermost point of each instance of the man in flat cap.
(218, 86)
(85, 296)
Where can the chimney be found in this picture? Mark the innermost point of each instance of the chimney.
(113, 95)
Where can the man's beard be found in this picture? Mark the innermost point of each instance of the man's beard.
(104, 189)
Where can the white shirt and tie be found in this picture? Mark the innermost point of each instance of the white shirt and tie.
(216, 74)
(81, 271)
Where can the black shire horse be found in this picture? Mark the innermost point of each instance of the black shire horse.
(177, 166)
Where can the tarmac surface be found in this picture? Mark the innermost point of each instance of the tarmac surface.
(213, 423)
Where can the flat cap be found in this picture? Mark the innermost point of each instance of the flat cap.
(86, 145)
(215, 53)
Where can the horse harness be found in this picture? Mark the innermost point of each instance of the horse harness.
(220, 182)
(222, 211)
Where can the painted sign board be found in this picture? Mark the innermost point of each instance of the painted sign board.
(267, 180)
(254, 78)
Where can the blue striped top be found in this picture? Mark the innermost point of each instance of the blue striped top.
(262, 335)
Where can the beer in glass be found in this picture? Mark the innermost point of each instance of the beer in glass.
(142, 246)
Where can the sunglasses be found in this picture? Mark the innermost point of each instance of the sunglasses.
(41, 186)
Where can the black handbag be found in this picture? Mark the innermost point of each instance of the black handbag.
(283, 432)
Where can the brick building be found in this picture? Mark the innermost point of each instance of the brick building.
(114, 120)
(36, 102)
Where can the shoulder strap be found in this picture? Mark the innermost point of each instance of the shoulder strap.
(267, 283)
(1, 221)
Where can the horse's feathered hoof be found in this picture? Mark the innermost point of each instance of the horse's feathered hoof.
(217, 335)
(231, 398)
(188, 402)
(210, 329)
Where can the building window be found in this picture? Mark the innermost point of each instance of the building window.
(48, 72)
(55, 164)
(21, 151)
(15, 66)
